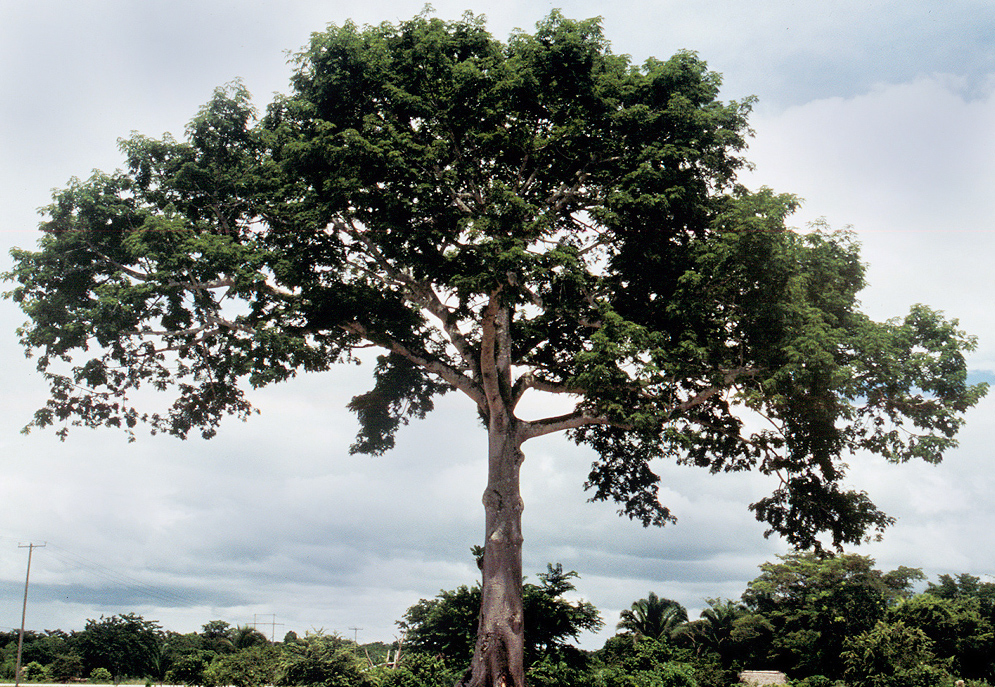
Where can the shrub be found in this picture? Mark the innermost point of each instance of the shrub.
(418, 670)
(252, 667)
(66, 667)
(548, 672)
(101, 676)
(34, 672)
(190, 668)
(320, 660)
(815, 681)
(892, 655)
(663, 675)
(709, 672)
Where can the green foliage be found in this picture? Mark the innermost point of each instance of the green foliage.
(447, 624)
(641, 653)
(645, 662)
(551, 620)
(816, 681)
(710, 673)
(190, 669)
(417, 670)
(814, 602)
(959, 633)
(66, 667)
(100, 676)
(320, 660)
(35, 672)
(937, 635)
(377, 652)
(724, 639)
(966, 589)
(421, 173)
(254, 666)
(127, 645)
(653, 617)
(218, 636)
(43, 647)
(549, 672)
(891, 655)
(246, 636)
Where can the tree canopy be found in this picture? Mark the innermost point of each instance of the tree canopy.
(499, 218)
(123, 644)
(813, 603)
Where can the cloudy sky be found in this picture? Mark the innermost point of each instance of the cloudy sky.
(878, 114)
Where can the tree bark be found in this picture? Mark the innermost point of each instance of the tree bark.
(498, 658)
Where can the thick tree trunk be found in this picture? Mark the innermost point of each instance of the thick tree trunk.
(498, 659)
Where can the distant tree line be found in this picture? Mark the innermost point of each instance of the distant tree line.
(823, 620)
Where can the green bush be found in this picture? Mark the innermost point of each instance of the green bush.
(549, 672)
(663, 675)
(66, 667)
(815, 681)
(320, 660)
(252, 667)
(892, 655)
(101, 676)
(417, 670)
(34, 672)
(709, 672)
(190, 668)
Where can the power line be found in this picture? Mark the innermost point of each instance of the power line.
(124, 580)
(77, 561)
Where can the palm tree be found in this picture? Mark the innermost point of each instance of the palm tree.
(245, 636)
(718, 620)
(653, 617)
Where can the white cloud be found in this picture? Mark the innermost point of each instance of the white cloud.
(910, 166)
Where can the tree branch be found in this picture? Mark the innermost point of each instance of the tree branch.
(529, 381)
(730, 378)
(417, 291)
(559, 423)
(445, 372)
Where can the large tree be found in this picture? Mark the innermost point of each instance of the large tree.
(127, 645)
(535, 216)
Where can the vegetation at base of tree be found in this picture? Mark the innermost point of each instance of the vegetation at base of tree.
(446, 625)
(824, 620)
(417, 670)
(498, 218)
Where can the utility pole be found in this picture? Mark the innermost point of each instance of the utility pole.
(273, 624)
(24, 611)
(356, 636)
